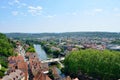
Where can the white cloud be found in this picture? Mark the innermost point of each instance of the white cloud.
(51, 16)
(15, 13)
(21, 5)
(89, 13)
(98, 10)
(35, 10)
(72, 13)
(16, 1)
(94, 12)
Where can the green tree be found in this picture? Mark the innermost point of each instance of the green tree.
(104, 65)
(30, 49)
(6, 50)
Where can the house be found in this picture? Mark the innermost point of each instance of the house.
(55, 48)
(17, 62)
(55, 73)
(41, 76)
(23, 67)
(0, 66)
(68, 78)
(16, 75)
(76, 79)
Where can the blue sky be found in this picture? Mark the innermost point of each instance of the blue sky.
(38, 16)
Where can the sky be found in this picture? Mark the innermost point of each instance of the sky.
(39, 16)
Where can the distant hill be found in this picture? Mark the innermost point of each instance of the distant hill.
(67, 34)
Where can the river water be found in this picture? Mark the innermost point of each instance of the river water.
(41, 53)
(43, 56)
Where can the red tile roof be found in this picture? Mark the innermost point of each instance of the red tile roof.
(41, 76)
(23, 67)
(17, 74)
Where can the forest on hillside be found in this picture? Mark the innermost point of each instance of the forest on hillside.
(6, 50)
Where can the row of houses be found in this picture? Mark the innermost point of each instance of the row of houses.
(17, 69)
(39, 70)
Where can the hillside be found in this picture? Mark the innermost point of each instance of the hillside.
(6, 50)
(67, 34)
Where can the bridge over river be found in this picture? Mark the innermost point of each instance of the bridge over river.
(53, 60)
(43, 56)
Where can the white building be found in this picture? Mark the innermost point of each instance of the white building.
(0, 66)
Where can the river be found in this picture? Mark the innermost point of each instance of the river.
(41, 53)
(43, 56)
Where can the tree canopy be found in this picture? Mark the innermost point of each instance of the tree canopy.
(103, 65)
